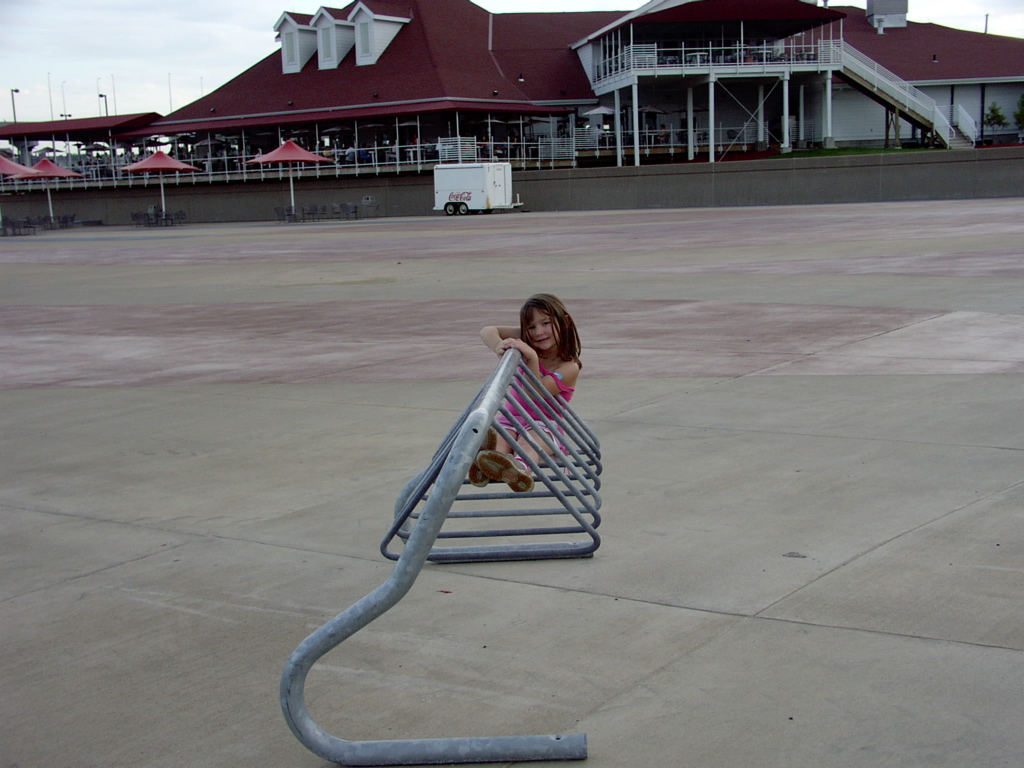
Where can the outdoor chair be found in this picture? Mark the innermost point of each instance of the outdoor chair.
(370, 206)
(179, 217)
(346, 211)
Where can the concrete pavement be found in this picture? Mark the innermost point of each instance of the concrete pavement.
(813, 545)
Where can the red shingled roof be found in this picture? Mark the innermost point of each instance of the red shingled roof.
(84, 129)
(537, 46)
(439, 60)
(454, 55)
(801, 14)
(769, 18)
(958, 55)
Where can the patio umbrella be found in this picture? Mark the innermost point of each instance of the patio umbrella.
(11, 168)
(599, 111)
(47, 169)
(289, 153)
(159, 163)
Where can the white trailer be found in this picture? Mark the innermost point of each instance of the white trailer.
(473, 187)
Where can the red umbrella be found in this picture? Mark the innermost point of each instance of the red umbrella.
(47, 169)
(11, 168)
(290, 153)
(159, 163)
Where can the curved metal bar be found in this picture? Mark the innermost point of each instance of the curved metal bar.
(466, 444)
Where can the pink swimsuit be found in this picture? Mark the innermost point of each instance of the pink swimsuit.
(530, 406)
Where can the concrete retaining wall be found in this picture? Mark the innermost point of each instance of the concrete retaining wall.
(938, 175)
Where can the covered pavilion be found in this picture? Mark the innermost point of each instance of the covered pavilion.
(399, 85)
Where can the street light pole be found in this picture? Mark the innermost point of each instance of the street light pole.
(14, 110)
(105, 109)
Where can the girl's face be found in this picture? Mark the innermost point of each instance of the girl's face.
(542, 332)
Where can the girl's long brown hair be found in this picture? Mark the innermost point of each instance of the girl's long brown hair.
(569, 346)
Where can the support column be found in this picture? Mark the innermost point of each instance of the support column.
(636, 123)
(892, 119)
(801, 119)
(711, 119)
(787, 147)
(691, 150)
(828, 140)
(762, 145)
(618, 129)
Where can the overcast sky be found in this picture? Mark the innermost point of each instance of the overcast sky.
(157, 57)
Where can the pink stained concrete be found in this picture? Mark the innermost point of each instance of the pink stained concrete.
(674, 239)
(435, 281)
(389, 341)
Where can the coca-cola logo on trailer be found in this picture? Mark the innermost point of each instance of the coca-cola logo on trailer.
(461, 197)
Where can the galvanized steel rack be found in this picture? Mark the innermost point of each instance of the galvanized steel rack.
(565, 500)
(571, 477)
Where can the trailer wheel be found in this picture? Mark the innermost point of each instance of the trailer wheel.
(449, 208)
(463, 209)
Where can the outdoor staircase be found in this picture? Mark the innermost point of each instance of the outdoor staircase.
(959, 140)
(896, 94)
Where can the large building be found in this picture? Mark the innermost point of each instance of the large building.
(397, 84)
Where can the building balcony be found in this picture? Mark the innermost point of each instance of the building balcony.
(658, 60)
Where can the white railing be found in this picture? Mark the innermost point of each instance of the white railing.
(959, 117)
(556, 149)
(941, 126)
(457, 150)
(898, 90)
(656, 59)
(230, 165)
(881, 79)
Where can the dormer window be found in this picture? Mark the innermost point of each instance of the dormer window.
(298, 42)
(332, 39)
(374, 33)
(335, 38)
(364, 50)
(325, 42)
(289, 48)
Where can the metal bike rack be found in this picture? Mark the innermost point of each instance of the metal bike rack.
(444, 479)
(570, 477)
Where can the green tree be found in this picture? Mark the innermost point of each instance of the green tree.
(995, 118)
(1018, 116)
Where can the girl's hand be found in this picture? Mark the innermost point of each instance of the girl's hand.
(528, 352)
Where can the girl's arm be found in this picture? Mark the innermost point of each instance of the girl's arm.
(567, 370)
(493, 335)
(567, 373)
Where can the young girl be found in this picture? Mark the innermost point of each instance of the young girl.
(550, 345)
